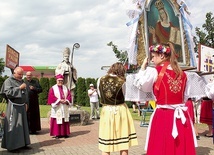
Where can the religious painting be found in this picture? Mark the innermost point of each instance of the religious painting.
(164, 26)
(206, 59)
(206, 62)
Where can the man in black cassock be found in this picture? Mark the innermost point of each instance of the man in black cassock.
(33, 113)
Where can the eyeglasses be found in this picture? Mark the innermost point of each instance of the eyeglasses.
(60, 80)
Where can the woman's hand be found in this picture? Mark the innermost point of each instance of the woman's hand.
(145, 63)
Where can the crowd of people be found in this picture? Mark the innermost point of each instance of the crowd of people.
(171, 126)
(22, 111)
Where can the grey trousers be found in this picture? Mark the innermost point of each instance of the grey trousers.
(94, 110)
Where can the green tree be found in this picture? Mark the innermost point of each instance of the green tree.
(81, 92)
(52, 81)
(121, 55)
(43, 96)
(206, 34)
(2, 79)
(1, 65)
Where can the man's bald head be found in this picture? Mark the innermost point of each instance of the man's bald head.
(29, 75)
(18, 73)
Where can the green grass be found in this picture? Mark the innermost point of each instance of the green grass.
(45, 108)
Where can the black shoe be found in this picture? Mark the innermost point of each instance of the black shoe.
(198, 137)
(26, 148)
(33, 132)
(66, 136)
(98, 117)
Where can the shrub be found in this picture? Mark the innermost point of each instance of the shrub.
(52, 81)
(81, 92)
(43, 96)
(2, 79)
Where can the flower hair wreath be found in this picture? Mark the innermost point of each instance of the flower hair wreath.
(160, 49)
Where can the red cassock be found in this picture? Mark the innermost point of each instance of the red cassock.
(58, 129)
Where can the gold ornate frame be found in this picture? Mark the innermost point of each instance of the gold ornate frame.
(143, 35)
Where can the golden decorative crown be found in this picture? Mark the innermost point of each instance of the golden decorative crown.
(159, 4)
(66, 51)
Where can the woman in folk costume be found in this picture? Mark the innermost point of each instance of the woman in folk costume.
(207, 107)
(59, 98)
(206, 115)
(170, 131)
(116, 128)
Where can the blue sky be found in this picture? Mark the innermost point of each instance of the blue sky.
(40, 30)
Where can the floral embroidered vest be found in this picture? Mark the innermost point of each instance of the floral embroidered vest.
(171, 90)
(111, 90)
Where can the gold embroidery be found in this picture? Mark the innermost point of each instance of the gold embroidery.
(174, 85)
(110, 86)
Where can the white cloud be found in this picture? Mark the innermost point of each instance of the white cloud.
(40, 30)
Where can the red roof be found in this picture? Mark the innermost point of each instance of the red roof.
(40, 71)
(27, 68)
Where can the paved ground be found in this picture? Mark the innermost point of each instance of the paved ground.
(84, 141)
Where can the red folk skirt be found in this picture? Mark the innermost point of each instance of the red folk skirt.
(206, 111)
(161, 141)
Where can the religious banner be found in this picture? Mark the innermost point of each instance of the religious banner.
(12, 57)
(159, 22)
